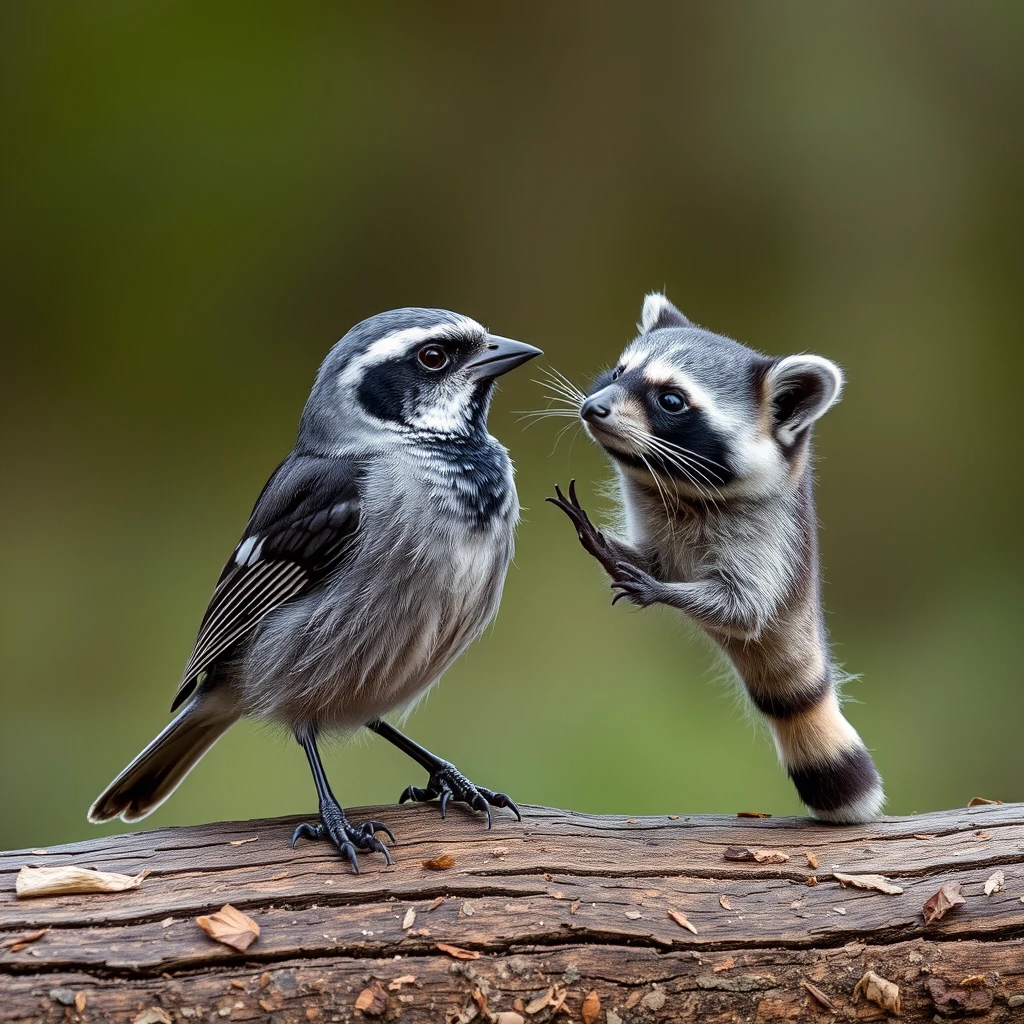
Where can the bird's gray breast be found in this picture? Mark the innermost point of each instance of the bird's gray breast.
(424, 579)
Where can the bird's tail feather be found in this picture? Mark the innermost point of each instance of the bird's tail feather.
(158, 771)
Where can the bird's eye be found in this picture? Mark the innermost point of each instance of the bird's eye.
(616, 373)
(672, 401)
(432, 357)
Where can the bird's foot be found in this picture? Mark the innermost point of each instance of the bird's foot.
(348, 838)
(448, 783)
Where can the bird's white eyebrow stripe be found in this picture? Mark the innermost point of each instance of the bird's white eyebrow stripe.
(393, 344)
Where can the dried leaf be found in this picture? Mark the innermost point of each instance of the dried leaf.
(242, 842)
(752, 814)
(442, 863)
(724, 965)
(724, 902)
(945, 899)
(819, 995)
(154, 1015)
(17, 944)
(409, 920)
(737, 853)
(682, 920)
(80, 1002)
(66, 880)
(459, 954)
(591, 1008)
(231, 927)
(980, 801)
(372, 1001)
(995, 883)
(879, 991)
(405, 979)
(770, 857)
(878, 882)
(812, 860)
(541, 1002)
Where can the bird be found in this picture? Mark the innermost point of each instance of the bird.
(375, 554)
(712, 445)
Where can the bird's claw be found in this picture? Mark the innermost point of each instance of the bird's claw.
(348, 838)
(448, 783)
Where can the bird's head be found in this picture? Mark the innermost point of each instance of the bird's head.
(412, 372)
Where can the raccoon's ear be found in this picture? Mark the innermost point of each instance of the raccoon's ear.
(659, 312)
(800, 389)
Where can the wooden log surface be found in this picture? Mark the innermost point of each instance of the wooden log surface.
(552, 909)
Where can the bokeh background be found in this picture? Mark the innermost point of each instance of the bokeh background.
(198, 200)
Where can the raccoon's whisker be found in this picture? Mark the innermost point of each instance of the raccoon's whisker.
(561, 434)
(536, 415)
(692, 454)
(677, 459)
(567, 384)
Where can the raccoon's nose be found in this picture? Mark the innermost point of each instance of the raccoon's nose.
(595, 408)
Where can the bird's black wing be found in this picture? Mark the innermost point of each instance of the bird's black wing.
(302, 526)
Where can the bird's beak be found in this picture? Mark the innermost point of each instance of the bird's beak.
(500, 356)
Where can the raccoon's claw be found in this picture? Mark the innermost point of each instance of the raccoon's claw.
(448, 783)
(590, 536)
(348, 838)
(635, 585)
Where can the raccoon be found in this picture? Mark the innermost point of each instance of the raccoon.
(712, 444)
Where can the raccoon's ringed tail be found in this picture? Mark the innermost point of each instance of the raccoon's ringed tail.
(829, 764)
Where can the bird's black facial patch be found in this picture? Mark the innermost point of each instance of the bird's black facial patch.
(399, 389)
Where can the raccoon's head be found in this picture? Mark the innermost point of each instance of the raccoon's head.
(705, 414)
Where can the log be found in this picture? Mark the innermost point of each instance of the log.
(564, 916)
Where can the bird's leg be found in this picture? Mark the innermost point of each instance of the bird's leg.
(446, 781)
(333, 824)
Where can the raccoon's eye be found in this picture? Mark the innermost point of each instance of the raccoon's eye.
(616, 373)
(671, 401)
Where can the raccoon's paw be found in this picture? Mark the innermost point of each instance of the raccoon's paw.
(636, 585)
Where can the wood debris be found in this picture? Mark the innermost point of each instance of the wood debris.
(972, 980)
(230, 927)
(634, 915)
(458, 952)
(723, 965)
(948, 896)
(956, 1001)
(80, 1001)
(16, 945)
(770, 856)
(877, 882)
(573, 907)
(995, 882)
(819, 995)
(682, 920)
(279, 876)
(553, 997)
(878, 990)
(242, 842)
(812, 880)
(508, 1017)
(591, 1008)
(442, 863)
(373, 1001)
(409, 920)
(980, 801)
(983, 836)
(634, 998)
(737, 853)
(922, 835)
(396, 984)
(67, 880)
(812, 860)
(153, 1015)
(435, 903)
(752, 814)
(723, 901)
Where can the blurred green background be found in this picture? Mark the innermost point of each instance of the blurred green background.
(198, 200)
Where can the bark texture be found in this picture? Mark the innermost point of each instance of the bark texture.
(568, 916)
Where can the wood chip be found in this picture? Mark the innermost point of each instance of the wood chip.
(879, 991)
(17, 944)
(634, 998)
(279, 876)
(682, 920)
(409, 920)
(405, 979)
(80, 1001)
(723, 965)
(541, 1002)
(819, 995)
(752, 814)
(632, 821)
(264, 980)
(373, 1001)
(724, 902)
(737, 853)
(154, 1015)
(66, 880)
(878, 882)
(983, 836)
(972, 981)
(922, 835)
(948, 896)
(980, 801)
(634, 915)
(457, 952)
(812, 879)
(770, 857)
(591, 1008)
(436, 903)
(442, 863)
(573, 907)
(673, 817)
(812, 860)
(230, 927)
(242, 842)
(995, 883)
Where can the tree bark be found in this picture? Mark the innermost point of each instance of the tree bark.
(550, 910)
